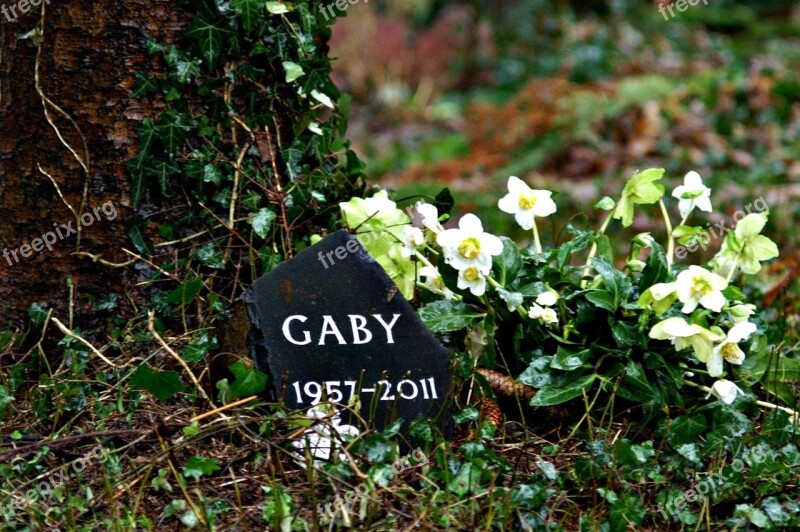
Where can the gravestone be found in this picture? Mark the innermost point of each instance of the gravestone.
(330, 324)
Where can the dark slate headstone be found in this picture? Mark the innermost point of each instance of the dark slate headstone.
(333, 324)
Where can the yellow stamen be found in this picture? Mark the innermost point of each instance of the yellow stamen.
(471, 274)
(527, 200)
(470, 248)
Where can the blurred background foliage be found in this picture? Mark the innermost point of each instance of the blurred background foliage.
(575, 97)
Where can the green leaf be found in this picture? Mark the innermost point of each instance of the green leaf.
(249, 381)
(446, 315)
(278, 8)
(616, 282)
(186, 292)
(141, 242)
(602, 299)
(640, 189)
(172, 128)
(626, 334)
(567, 360)
(635, 385)
(262, 222)
(37, 314)
(197, 466)
(210, 37)
(508, 263)
(163, 171)
(162, 384)
(538, 373)
(293, 71)
(685, 429)
(249, 12)
(144, 85)
(656, 269)
(551, 395)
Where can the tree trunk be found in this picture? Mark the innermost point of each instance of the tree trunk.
(64, 140)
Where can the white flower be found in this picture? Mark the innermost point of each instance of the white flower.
(696, 285)
(549, 316)
(547, 299)
(472, 278)
(693, 193)
(545, 314)
(525, 203)
(683, 334)
(412, 239)
(729, 349)
(433, 281)
(430, 217)
(323, 437)
(725, 390)
(468, 246)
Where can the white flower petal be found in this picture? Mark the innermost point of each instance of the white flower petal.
(471, 224)
(517, 185)
(741, 331)
(509, 203)
(524, 218)
(714, 365)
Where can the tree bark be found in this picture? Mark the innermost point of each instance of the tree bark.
(66, 110)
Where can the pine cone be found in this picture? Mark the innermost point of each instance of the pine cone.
(505, 386)
(490, 411)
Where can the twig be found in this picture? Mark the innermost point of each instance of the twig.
(64, 329)
(176, 356)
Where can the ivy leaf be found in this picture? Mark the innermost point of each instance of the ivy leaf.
(640, 189)
(262, 222)
(210, 36)
(293, 71)
(162, 384)
(249, 381)
(172, 128)
(249, 11)
(686, 429)
(197, 466)
(162, 171)
(554, 395)
(446, 315)
(136, 232)
(278, 8)
(186, 292)
(144, 85)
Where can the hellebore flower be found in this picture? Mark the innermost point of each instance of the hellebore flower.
(696, 285)
(725, 390)
(469, 246)
(693, 193)
(526, 203)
